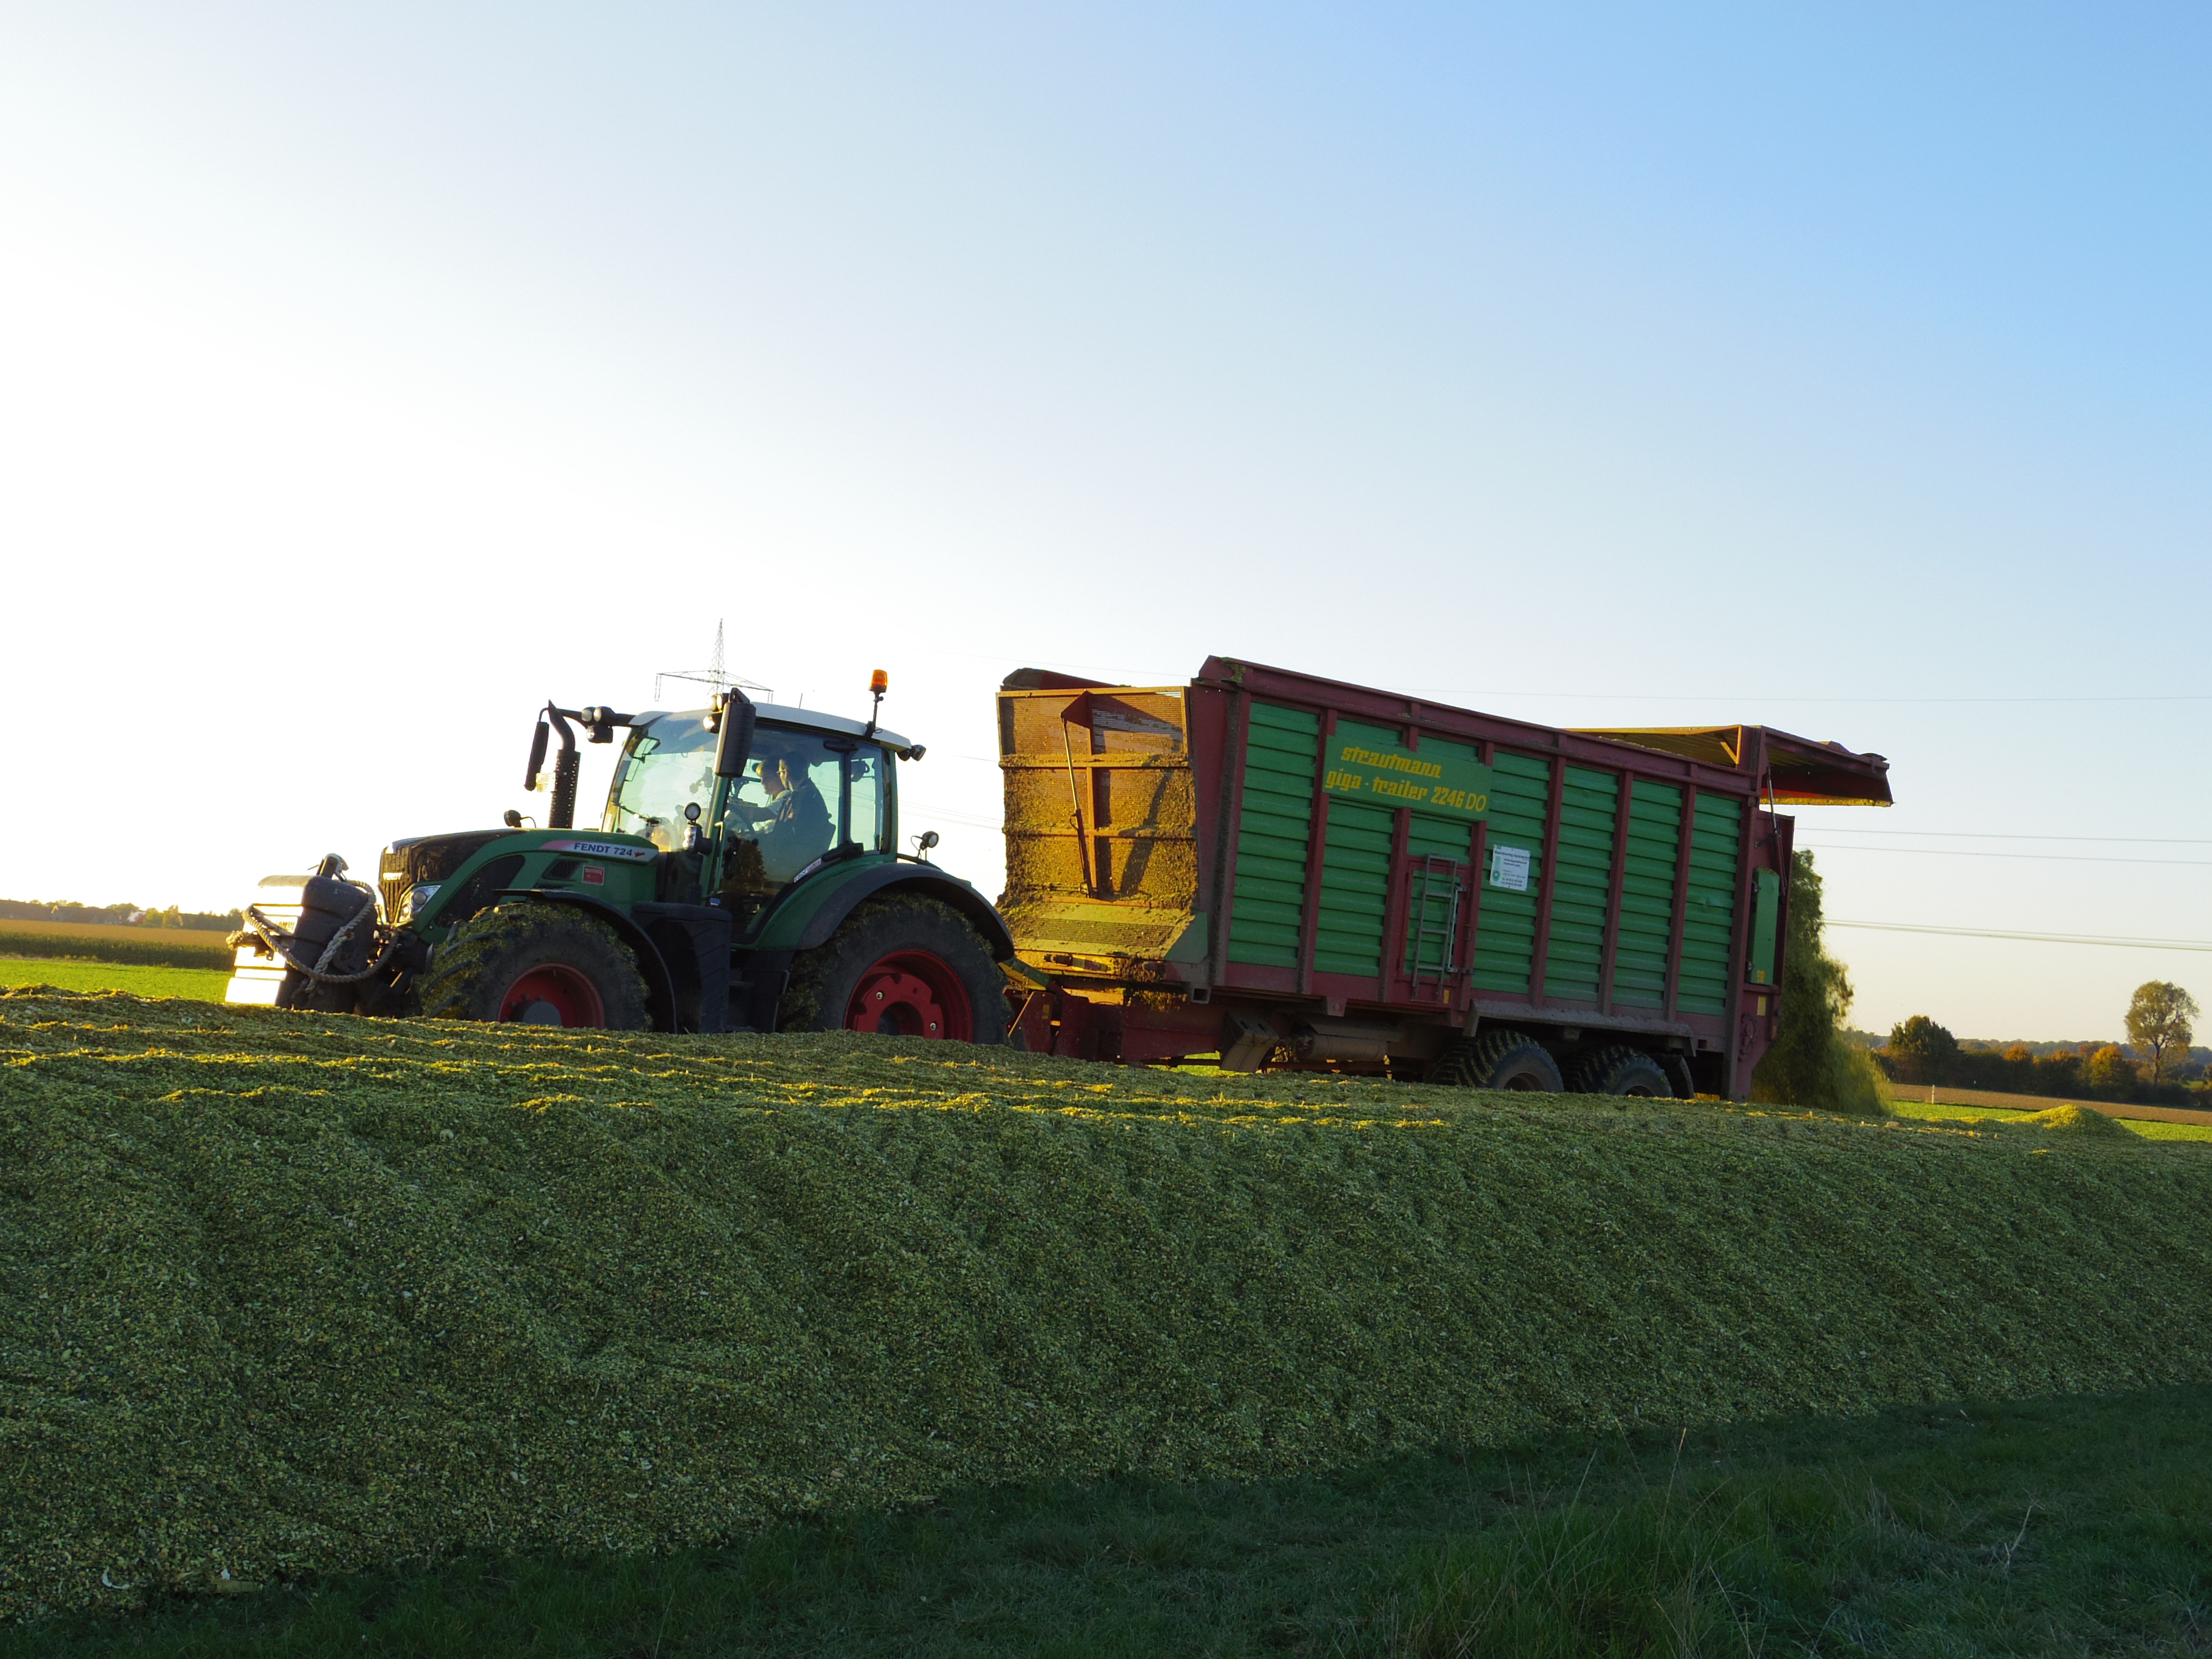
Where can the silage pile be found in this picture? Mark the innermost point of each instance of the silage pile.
(282, 1292)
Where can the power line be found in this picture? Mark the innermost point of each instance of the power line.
(2001, 835)
(2049, 858)
(2039, 938)
(1122, 672)
(917, 809)
(1761, 697)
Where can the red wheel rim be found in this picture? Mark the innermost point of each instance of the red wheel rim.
(911, 993)
(551, 995)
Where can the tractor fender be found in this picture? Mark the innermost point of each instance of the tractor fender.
(920, 879)
(660, 984)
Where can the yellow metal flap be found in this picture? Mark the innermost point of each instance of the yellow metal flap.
(1800, 772)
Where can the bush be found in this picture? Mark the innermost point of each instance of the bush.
(1812, 1063)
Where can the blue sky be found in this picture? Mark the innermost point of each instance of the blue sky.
(368, 375)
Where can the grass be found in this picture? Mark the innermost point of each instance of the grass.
(2053, 1527)
(203, 984)
(1943, 1112)
(174, 947)
(287, 1294)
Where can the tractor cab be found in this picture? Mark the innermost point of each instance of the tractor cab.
(814, 786)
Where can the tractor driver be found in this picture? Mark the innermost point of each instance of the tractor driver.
(792, 830)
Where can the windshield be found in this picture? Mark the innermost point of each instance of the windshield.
(667, 766)
(803, 794)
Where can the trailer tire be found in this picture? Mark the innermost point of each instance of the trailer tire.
(900, 965)
(538, 964)
(1500, 1060)
(1624, 1071)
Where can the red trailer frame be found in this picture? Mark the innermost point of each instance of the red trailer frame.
(1123, 893)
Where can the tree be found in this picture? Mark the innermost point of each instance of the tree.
(1811, 1063)
(2112, 1070)
(2058, 1074)
(1921, 1051)
(2159, 1023)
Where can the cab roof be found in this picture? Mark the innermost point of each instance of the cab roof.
(806, 719)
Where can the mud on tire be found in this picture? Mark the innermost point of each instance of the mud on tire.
(912, 962)
(536, 963)
(1499, 1059)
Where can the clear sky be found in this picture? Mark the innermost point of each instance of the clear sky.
(369, 374)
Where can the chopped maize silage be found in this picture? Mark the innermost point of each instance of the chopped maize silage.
(285, 1292)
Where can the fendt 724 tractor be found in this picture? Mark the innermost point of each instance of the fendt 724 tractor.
(746, 875)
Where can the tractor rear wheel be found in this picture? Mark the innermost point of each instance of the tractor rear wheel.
(899, 966)
(1499, 1059)
(536, 965)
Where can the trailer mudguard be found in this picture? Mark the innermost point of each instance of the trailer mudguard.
(816, 910)
(659, 984)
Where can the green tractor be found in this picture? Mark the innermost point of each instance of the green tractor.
(746, 876)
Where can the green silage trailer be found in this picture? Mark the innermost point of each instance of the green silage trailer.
(1283, 870)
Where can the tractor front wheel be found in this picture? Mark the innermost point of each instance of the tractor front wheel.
(900, 966)
(537, 964)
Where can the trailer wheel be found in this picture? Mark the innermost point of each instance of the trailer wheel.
(900, 965)
(534, 964)
(1624, 1071)
(1500, 1060)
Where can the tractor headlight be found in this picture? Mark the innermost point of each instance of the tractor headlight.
(418, 898)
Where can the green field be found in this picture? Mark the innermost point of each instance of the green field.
(205, 984)
(1997, 1117)
(174, 947)
(285, 1295)
(2051, 1526)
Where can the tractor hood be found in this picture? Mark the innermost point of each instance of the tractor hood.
(434, 857)
(493, 859)
(428, 859)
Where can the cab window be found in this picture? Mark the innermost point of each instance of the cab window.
(803, 794)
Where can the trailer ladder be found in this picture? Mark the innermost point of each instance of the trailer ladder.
(1435, 887)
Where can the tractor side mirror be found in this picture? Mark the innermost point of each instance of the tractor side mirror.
(733, 742)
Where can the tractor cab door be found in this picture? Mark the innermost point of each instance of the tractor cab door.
(803, 795)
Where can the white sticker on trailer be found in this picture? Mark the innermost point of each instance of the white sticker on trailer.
(1509, 868)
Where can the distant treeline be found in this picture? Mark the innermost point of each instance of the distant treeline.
(1873, 1042)
(121, 915)
(1919, 1051)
